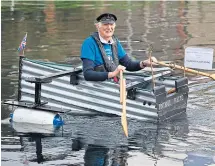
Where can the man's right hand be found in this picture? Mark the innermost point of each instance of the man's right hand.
(149, 61)
(116, 72)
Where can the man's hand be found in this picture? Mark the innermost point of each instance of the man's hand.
(148, 62)
(116, 72)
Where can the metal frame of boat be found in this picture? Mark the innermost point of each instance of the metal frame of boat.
(62, 88)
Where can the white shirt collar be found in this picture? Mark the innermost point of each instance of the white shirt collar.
(104, 41)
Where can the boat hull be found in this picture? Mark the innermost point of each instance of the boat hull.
(89, 97)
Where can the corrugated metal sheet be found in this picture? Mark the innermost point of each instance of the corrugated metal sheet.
(87, 96)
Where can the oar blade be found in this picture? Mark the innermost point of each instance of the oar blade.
(123, 117)
(212, 76)
(124, 123)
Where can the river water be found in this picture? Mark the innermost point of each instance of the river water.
(55, 32)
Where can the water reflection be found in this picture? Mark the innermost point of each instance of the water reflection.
(37, 139)
(50, 18)
(155, 141)
(182, 28)
(102, 156)
(34, 134)
(100, 140)
(107, 148)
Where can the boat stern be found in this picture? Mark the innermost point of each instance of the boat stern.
(173, 102)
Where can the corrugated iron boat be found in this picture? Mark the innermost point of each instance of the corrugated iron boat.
(62, 88)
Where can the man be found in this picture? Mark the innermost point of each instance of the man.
(102, 54)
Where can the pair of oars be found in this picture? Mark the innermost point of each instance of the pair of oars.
(187, 69)
(123, 102)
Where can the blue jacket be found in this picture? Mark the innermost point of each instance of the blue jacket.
(91, 57)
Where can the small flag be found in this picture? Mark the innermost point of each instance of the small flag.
(23, 43)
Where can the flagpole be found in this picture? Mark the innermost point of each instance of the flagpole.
(21, 47)
(26, 43)
(20, 75)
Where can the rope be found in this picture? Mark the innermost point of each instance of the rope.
(184, 71)
(150, 57)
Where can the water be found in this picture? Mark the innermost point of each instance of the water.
(55, 33)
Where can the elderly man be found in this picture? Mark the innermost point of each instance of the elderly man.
(102, 54)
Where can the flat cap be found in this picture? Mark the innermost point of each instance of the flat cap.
(107, 18)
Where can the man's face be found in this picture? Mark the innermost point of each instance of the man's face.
(106, 30)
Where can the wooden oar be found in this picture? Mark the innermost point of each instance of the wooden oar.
(121, 87)
(187, 69)
(172, 90)
(124, 118)
(123, 98)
